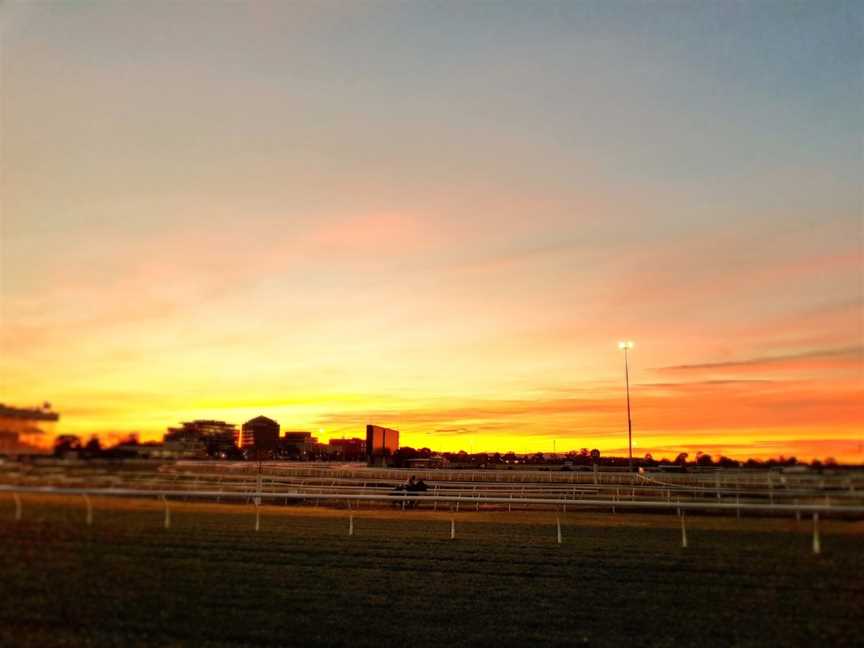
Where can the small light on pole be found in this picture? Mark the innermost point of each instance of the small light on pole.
(625, 346)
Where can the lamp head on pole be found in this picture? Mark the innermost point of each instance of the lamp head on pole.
(626, 344)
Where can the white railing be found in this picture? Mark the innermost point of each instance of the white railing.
(397, 498)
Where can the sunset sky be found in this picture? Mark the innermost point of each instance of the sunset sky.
(439, 217)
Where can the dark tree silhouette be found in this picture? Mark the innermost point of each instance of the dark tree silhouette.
(66, 443)
(703, 459)
(93, 448)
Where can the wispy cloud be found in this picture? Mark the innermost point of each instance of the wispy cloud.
(819, 358)
(658, 407)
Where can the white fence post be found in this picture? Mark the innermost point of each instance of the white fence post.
(817, 545)
(257, 515)
(558, 521)
(167, 522)
(683, 532)
(89, 517)
(18, 506)
(350, 525)
(452, 529)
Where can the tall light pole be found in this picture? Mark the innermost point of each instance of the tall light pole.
(626, 346)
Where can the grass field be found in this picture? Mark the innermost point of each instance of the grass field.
(400, 581)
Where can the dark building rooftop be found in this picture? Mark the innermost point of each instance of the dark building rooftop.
(43, 413)
(260, 419)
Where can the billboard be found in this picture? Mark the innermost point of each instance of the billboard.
(381, 441)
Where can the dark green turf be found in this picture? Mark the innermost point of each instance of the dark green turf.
(212, 581)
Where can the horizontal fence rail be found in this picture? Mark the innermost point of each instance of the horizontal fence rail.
(397, 498)
(269, 483)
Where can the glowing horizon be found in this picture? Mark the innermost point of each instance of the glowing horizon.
(439, 220)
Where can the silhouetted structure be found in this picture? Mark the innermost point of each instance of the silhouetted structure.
(381, 443)
(347, 449)
(260, 432)
(26, 429)
(297, 445)
(202, 437)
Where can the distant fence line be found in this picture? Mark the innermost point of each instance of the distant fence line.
(397, 498)
(840, 483)
(245, 483)
(578, 475)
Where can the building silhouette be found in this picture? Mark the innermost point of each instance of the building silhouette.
(27, 429)
(201, 437)
(381, 443)
(297, 444)
(261, 433)
(347, 449)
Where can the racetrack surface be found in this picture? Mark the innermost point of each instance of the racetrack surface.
(212, 580)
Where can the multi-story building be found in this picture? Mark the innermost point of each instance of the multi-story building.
(260, 433)
(347, 449)
(202, 437)
(297, 444)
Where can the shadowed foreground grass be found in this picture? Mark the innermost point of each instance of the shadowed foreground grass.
(212, 580)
